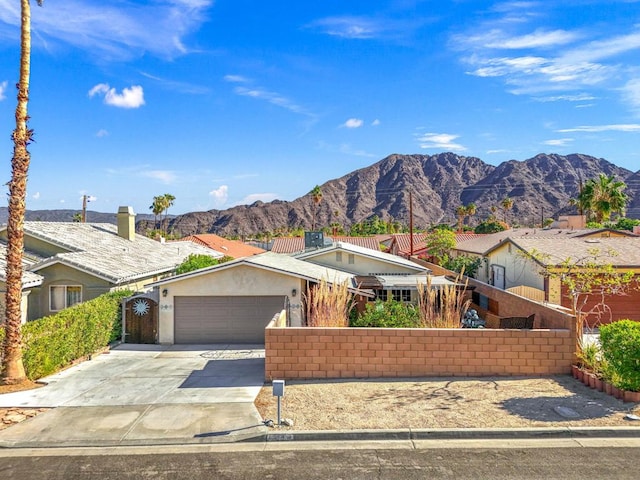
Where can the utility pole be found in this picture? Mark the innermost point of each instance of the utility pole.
(410, 223)
(85, 200)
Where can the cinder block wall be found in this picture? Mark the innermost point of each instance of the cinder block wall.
(313, 353)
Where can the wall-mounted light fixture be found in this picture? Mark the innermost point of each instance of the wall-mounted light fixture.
(165, 292)
(294, 292)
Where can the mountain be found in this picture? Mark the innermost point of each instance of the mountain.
(67, 216)
(540, 186)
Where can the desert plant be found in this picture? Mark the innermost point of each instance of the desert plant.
(621, 349)
(328, 305)
(589, 358)
(443, 307)
(387, 314)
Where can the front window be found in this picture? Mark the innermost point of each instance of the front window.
(64, 296)
(401, 295)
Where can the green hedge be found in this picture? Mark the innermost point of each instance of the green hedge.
(620, 342)
(53, 342)
(389, 314)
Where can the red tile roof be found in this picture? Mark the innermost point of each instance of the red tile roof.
(296, 244)
(231, 248)
(400, 244)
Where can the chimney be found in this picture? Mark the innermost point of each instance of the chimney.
(126, 223)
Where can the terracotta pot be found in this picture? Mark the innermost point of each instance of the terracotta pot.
(587, 378)
(599, 384)
(616, 392)
(631, 396)
(580, 374)
(607, 388)
(592, 380)
(574, 370)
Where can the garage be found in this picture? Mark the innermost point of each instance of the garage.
(224, 319)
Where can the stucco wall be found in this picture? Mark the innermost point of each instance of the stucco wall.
(58, 274)
(518, 269)
(362, 265)
(311, 353)
(237, 281)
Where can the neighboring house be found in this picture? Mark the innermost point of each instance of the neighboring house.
(388, 275)
(229, 248)
(401, 243)
(234, 301)
(30, 280)
(481, 244)
(509, 267)
(80, 261)
(296, 244)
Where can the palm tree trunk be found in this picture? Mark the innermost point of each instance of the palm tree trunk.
(13, 368)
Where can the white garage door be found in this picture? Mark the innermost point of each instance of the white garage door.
(224, 319)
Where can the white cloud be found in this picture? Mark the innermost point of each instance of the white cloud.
(220, 196)
(631, 92)
(497, 150)
(132, 97)
(36, 196)
(236, 79)
(165, 176)
(114, 30)
(3, 89)
(353, 123)
(349, 27)
(102, 133)
(254, 197)
(272, 98)
(558, 142)
(375, 123)
(630, 127)
(538, 39)
(581, 97)
(440, 141)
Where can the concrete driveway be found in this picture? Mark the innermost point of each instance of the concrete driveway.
(139, 394)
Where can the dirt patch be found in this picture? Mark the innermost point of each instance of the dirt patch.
(13, 415)
(488, 402)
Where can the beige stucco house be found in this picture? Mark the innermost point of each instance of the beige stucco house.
(69, 263)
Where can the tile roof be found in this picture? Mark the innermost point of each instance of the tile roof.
(625, 251)
(231, 248)
(296, 244)
(281, 263)
(420, 241)
(98, 249)
(482, 243)
(366, 252)
(29, 279)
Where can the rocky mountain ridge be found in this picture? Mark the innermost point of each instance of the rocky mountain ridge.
(540, 187)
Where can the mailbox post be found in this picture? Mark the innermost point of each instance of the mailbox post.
(278, 391)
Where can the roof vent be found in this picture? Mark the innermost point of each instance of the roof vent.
(313, 240)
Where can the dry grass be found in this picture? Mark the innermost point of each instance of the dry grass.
(444, 403)
(443, 307)
(328, 305)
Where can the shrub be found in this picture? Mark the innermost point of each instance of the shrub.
(53, 342)
(620, 343)
(491, 226)
(328, 305)
(464, 263)
(196, 261)
(389, 314)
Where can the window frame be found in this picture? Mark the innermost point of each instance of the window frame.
(65, 296)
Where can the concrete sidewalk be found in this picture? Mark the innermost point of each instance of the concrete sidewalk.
(145, 394)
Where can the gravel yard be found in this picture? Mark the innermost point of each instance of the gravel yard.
(488, 402)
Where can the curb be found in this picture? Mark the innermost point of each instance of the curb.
(450, 434)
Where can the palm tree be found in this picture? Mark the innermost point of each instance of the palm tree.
(12, 365)
(461, 212)
(603, 196)
(157, 207)
(471, 211)
(506, 204)
(167, 204)
(316, 196)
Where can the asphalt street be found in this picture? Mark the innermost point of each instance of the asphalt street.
(541, 459)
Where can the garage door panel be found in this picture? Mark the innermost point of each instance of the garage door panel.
(224, 319)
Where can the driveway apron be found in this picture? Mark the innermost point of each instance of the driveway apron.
(146, 394)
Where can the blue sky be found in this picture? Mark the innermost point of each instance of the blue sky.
(230, 101)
